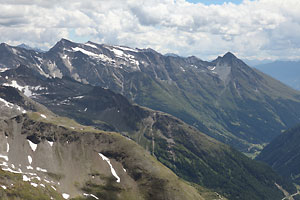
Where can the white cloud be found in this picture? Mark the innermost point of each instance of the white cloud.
(253, 29)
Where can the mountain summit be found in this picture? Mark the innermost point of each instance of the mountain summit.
(229, 55)
(225, 98)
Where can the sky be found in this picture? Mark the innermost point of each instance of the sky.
(218, 2)
(251, 29)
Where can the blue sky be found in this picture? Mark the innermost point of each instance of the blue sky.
(209, 2)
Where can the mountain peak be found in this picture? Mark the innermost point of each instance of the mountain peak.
(27, 47)
(229, 55)
(227, 58)
(3, 45)
(62, 43)
(62, 40)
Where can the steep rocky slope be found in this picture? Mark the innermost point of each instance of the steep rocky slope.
(189, 153)
(225, 98)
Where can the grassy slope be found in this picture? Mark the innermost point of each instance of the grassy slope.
(17, 189)
(240, 117)
(283, 154)
(205, 161)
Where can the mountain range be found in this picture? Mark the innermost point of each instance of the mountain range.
(225, 98)
(104, 113)
(24, 46)
(285, 71)
(189, 153)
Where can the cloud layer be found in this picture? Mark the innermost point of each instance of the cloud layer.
(259, 29)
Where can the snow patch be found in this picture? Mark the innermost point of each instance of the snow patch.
(27, 92)
(53, 187)
(38, 178)
(113, 171)
(31, 174)
(85, 109)
(12, 171)
(118, 52)
(7, 147)
(29, 167)
(126, 48)
(4, 164)
(38, 88)
(7, 104)
(94, 55)
(41, 169)
(43, 116)
(15, 51)
(11, 105)
(91, 45)
(4, 69)
(4, 157)
(34, 184)
(29, 160)
(42, 185)
(32, 145)
(25, 178)
(78, 97)
(212, 68)
(89, 53)
(90, 195)
(65, 196)
(4, 187)
(50, 143)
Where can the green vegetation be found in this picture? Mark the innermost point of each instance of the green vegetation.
(248, 109)
(200, 159)
(192, 155)
(283, 154)
(17, 189)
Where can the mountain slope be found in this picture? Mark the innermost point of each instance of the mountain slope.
(46, 151)
(13, 187)
(285, 71)
(283, 154)
(224, 98)
(189, 153)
